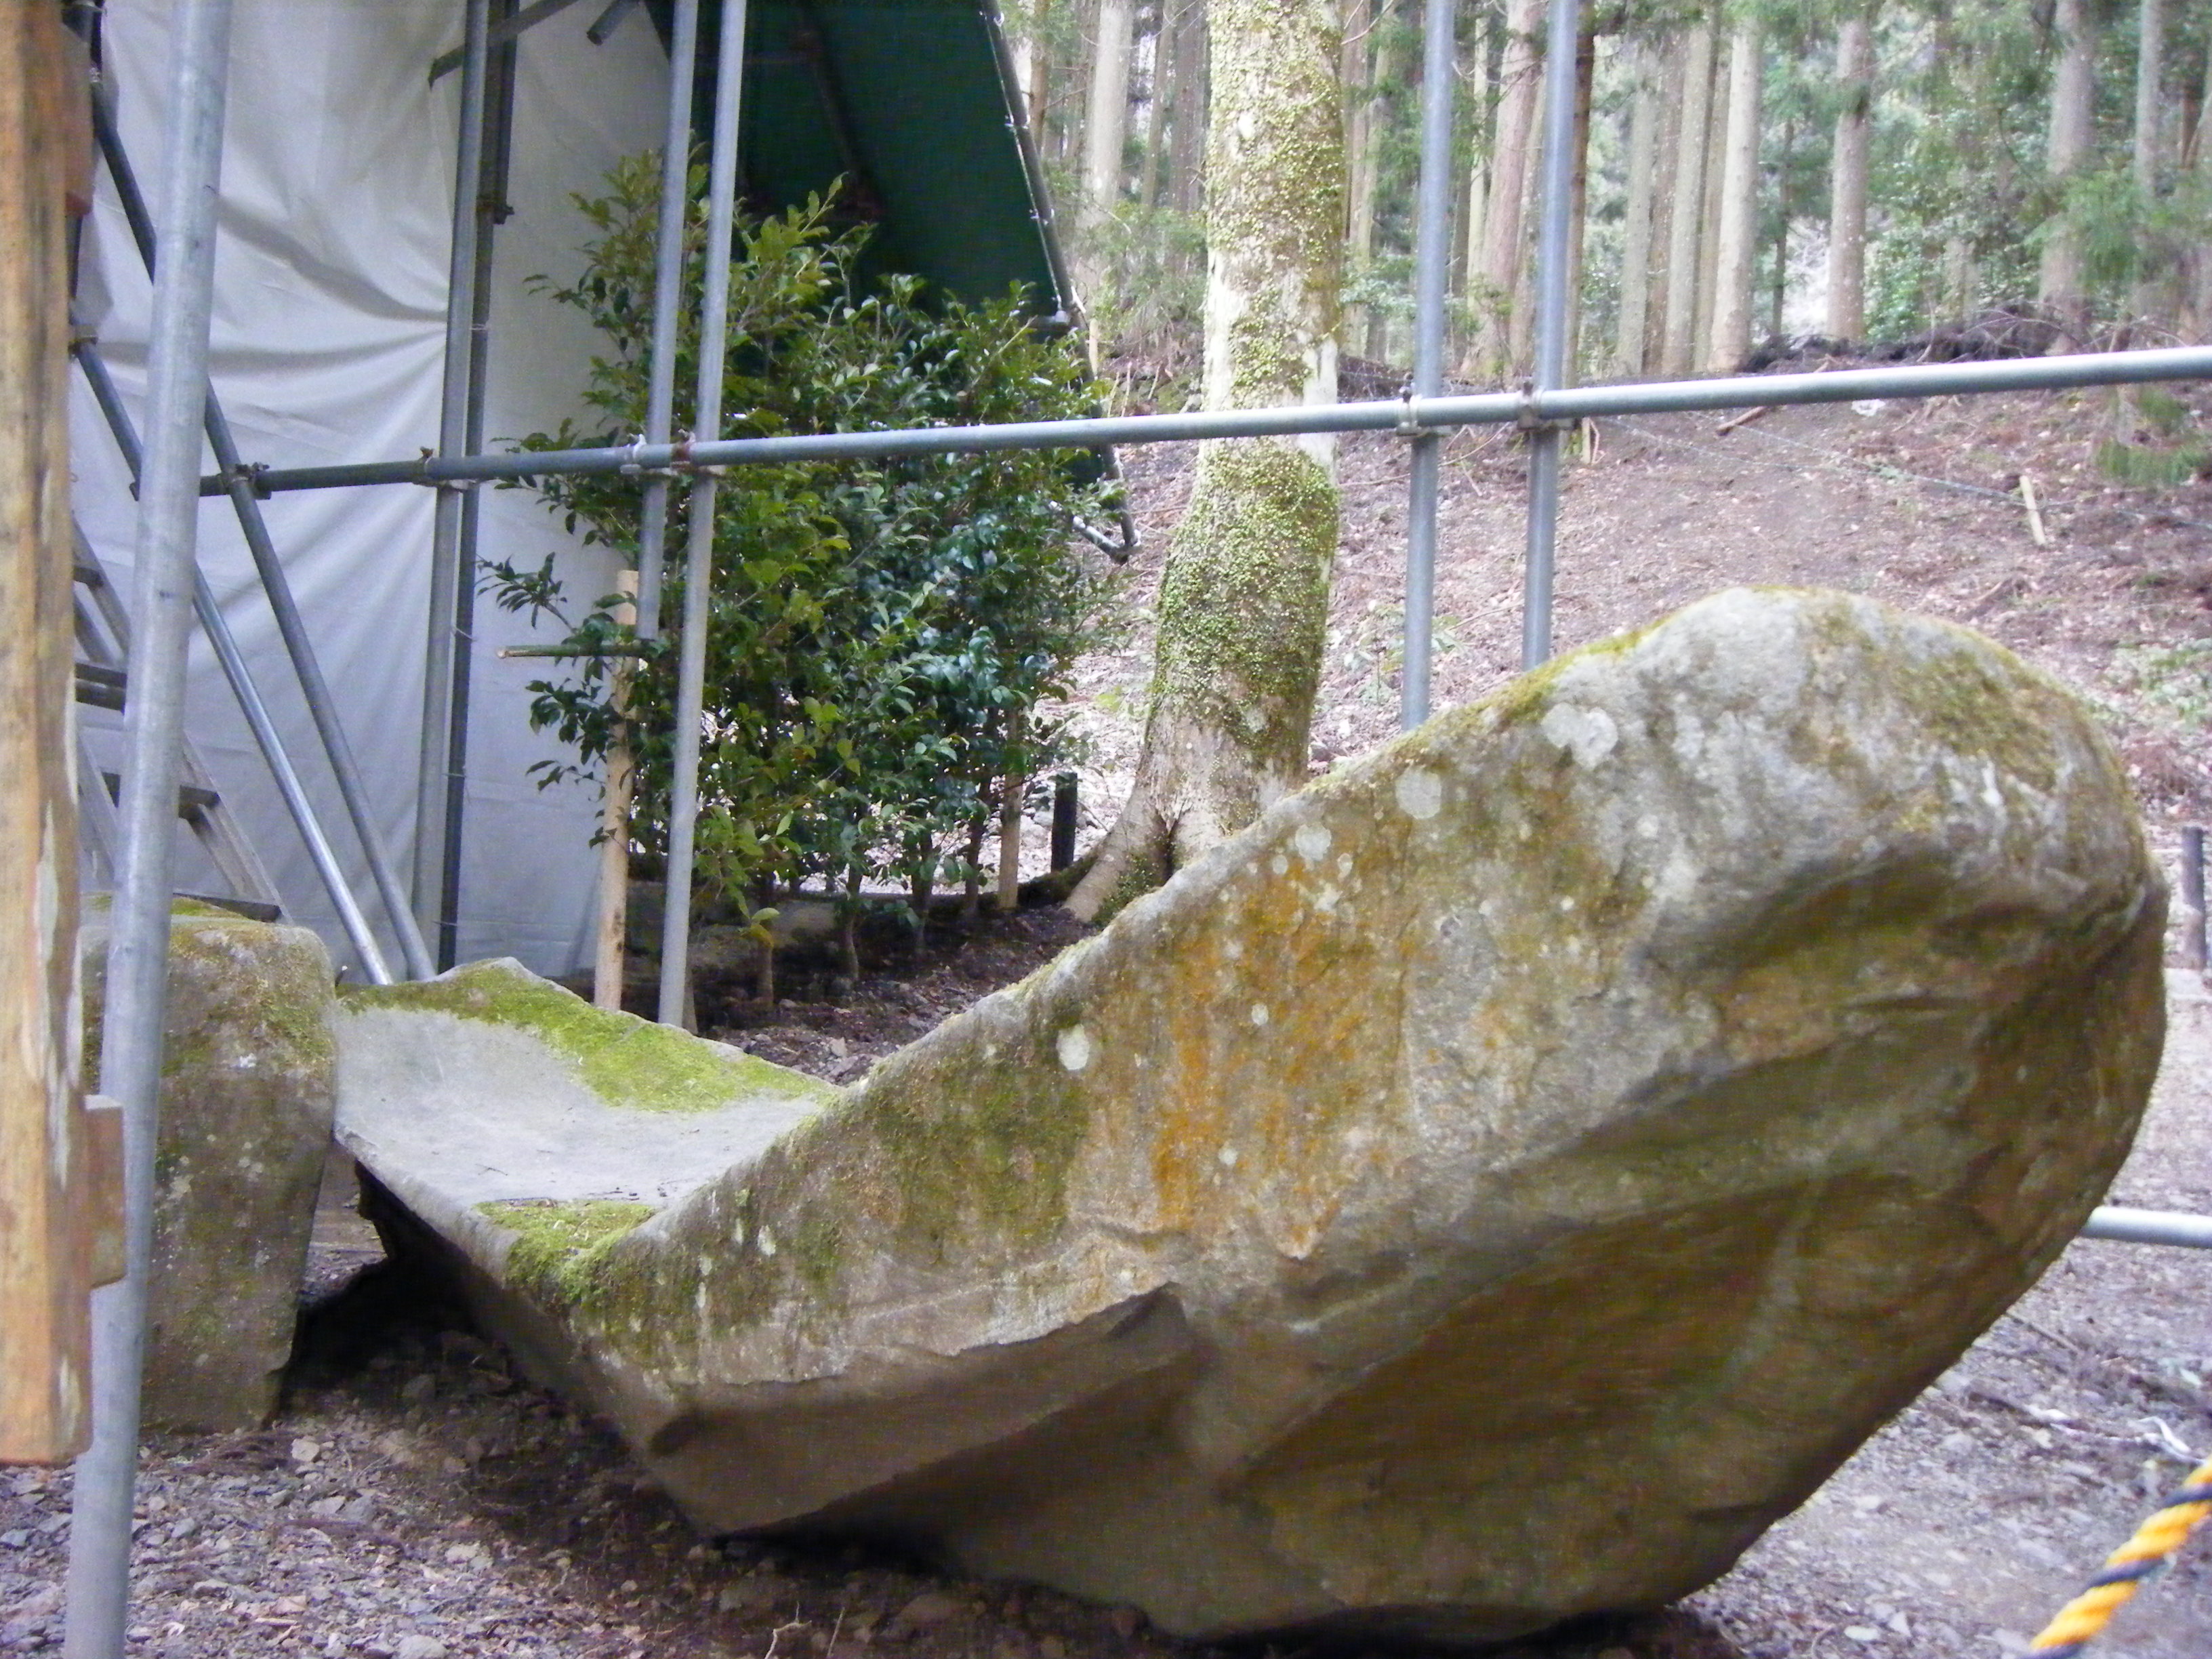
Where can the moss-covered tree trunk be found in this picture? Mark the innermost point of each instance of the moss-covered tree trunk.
(1244, 603)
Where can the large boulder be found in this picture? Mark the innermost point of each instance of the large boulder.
(1491, 1189)
(248, 1082)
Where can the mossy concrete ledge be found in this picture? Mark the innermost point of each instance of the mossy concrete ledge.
(248, 1083)
(1491, 1189)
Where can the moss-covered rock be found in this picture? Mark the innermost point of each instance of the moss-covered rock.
(1489, 1189)
(248, 1072)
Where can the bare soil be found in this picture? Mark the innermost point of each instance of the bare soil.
(415, 1497)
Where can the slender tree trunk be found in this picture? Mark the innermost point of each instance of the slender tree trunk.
(1709, 241)
(1960, 279)
(1160, 42)
(2062, 285)
(1361, 22)
(1578, 194)
(2196, 323)
(1738, 204)
(1684, 230)
(1106, 122)
(1184, 192)
(1243, 606)
(1847, 188)
(1668, 59)
(1778, 296)
(2150, 66)
(1642, 144)
(1520, 86)
(2150, 61)
(1468, 243)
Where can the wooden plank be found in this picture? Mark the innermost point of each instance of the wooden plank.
(45, 1220)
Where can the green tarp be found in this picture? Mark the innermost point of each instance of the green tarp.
(904, 100)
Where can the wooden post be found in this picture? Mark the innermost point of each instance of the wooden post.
(2035, 528)
(614, 830)
(1009, 898)
(47, 1158)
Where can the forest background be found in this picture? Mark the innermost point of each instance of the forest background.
(1857, 172)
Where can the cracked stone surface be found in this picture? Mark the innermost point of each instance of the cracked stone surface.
(1493, 1188)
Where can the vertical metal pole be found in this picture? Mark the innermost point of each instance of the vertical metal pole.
(699, 561)
(489, 207)
(99, 1582)
(1551, 327)
(1431, 266)
(2192, 897)
(250, 701)
(291, 627)
(453, 426)
(667, 305)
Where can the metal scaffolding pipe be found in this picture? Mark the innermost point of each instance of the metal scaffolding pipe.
(251, 703)
(453, 429)
(291, 626)
(2127, 1226)
(489, 195)
(1545, 441)
(667, 307)
(699, 561)
(98, 1578)
(1387, 414)
(289, 783)
(1432, 269)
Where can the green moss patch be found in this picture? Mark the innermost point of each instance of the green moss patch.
(558, 1244)
(625, 1061)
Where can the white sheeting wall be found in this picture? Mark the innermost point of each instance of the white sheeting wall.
(338, 183)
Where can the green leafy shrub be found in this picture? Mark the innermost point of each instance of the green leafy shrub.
(880, 633)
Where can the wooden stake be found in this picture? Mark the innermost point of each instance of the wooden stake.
(1010, 847)
(2034, 512)
(47, 1212)
(614, 831)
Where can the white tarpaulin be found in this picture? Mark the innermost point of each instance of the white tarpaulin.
(337, 188)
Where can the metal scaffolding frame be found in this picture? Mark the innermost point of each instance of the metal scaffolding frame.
(179, 405)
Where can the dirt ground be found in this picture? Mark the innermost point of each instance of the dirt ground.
(415, 1499)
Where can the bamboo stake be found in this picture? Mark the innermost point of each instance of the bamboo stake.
(614, 830)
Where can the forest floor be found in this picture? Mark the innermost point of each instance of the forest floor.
(415, 1499)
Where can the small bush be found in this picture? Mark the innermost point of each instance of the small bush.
(880, 633)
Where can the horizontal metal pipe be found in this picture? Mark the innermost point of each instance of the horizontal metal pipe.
(1408, 414)
(2127, 1226)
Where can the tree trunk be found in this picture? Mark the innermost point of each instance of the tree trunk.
(1106, 122)
(1362, 22)
(1847, 188)
(1188, 153)
(1778, 297)
(1739, 205)
(1685, 226)
(1632, 324)
(1467, 244)
(1152, 181)
(2062, 285)
(1520, 86)
(2150, 60)
(2150, 64)
(1578, 194)
(1667, 62)
(1709, 241)
(1243, 606)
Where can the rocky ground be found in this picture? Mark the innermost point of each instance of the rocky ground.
(416, 1498)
